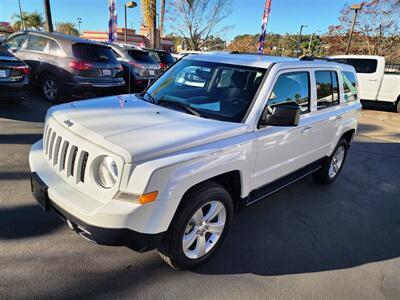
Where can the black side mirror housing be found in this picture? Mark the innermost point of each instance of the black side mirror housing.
(287, 114)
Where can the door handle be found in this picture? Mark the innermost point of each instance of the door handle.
(339, 117)
(306, 129)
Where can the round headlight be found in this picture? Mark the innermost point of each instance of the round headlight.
(107, 172)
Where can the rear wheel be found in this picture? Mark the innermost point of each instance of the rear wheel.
(50, 89)
(198, 228)
(333, 165)
(398, 106)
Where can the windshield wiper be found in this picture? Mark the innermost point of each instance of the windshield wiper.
(186, 107)
(151, 98)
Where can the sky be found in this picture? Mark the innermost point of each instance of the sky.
(286, 15)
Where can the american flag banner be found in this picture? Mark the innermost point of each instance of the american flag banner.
(267, 10)
(112, 22)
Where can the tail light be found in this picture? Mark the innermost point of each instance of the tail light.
(135, 65)
(80, 65)
(163, 66)
(25, 69)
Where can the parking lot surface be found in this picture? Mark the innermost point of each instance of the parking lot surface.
(307, 241)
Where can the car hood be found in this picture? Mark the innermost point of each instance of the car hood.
(138, 129)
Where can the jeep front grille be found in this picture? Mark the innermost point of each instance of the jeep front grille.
(64, 156)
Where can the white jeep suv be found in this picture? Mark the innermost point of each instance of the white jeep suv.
(167, 168)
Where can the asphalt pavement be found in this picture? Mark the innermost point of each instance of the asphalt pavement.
(308, 241)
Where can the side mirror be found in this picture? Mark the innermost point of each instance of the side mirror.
(287, 114)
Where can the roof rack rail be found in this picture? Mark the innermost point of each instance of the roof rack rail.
(315, 58)
(250, 53)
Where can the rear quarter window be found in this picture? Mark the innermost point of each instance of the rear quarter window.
(93, 53)
(350, 86)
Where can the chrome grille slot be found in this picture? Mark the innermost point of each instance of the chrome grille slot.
(63, 155)
(71, 161)
(82, 165)
(46, 129)
(56, 150)
(47, 141)
(52, 138)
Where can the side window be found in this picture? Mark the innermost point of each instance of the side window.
(37, 43)
(292, 87)
(363, 65)
(16, 42)
(327, 89)
(349, 86)
(225, 78)
(55, 49)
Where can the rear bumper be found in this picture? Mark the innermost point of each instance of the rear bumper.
(92, 86)
(13, 91)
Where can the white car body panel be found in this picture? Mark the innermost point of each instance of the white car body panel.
(159, 149)
(377, 86)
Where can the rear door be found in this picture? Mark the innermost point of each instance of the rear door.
(35, 53)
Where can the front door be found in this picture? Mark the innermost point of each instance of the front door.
(282, 150)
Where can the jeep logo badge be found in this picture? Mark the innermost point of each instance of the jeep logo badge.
(69, 123)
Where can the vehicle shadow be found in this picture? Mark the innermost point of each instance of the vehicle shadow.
(26, 222)
(312, 228)
(24, 111)
(23, 138)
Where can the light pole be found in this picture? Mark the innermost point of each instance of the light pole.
(130, 4)
(20, 14)
(299, 40)
(356, 8)
(47, 12)
(79, 25)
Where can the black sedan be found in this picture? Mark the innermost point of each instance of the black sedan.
(14, 78)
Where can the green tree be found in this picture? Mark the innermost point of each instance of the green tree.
(31, 20)
(67, 28)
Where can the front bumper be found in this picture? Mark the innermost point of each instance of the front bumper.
(118, 223)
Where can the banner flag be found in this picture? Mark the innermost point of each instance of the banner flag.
(112, 22)
(267, 10)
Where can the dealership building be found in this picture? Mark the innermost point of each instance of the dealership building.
(133, 38)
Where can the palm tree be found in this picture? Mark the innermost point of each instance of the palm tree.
(149, 17)
(32, 21)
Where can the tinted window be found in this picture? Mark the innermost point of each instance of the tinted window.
(93, 53)
(37, 43)
(141, 56)
(361, 65)
(196, 84)
(55, 49)
(350, 86)
(16, 42)
(155, 56)
(327, 88)
(166, 57)
(292, 87)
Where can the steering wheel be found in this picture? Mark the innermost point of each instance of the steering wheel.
(237, 101)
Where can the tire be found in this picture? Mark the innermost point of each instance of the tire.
(195, 207)
(398, 106)
(50, 89)
(331, 169)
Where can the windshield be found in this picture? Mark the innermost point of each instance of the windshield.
(215, 90)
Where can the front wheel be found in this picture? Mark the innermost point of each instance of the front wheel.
(333, 165)
(198, 228)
